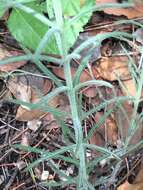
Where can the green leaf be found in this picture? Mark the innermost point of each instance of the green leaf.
(93, 82)
(2, 11)
(70, 9)
(72, 29)
(6, 4)
(3, 7)
(29, 31)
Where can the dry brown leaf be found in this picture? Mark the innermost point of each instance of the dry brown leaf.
(138, 35)
(4, 53)
(85, 76)
(20, 90)
(90, 92)
(29, 89)
(28, 115)
(137, 185)
(130, 88)
(25, 141)
(105, 1)
(25, 87)
(139, 177)
(111, 67)
(111, 130)
(123, 119)
(60, 73)
(34, 124)
(97, 139)
(130, 13)
(48, 117)
(127, 186)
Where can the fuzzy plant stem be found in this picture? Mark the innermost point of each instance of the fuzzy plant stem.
(62, 46)
(133, 124)
(80, 150)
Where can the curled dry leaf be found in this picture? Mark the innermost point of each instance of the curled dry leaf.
(26, 138)
(19, 89)
(130, 88)
(5, 53)
(130, 12)
(44, 175)
(111, 131)
(123, 117)
(96, 52)
(128, 186)
(20, 164)
(25, 88)
(34, 124)
(90, 92)
(138, 35)
(137, 185)
(29, 115)
(60, 73)
(105, 1)
(110, 68)
(30, 89)
(85, 76)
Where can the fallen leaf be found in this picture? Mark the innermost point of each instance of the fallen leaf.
(19, 89)
(138, 35)
(90, 92)
(123, 117)
(139, 177)
(97, 139)
(130, 88)
(29, 115)
(95, 54)
(130, 12)
(23, 114)
(34, 124)
(110, 68)
(29, 88)
(85, 76)
(5, 53)
(114, 68)
(20, 164)
(105, 1)
(111, 129)
(44, 175)
(26, 137)
(137, 185)
(60, 73)
(25, 90)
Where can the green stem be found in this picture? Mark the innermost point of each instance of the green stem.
(133, 127)
(80, 150)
